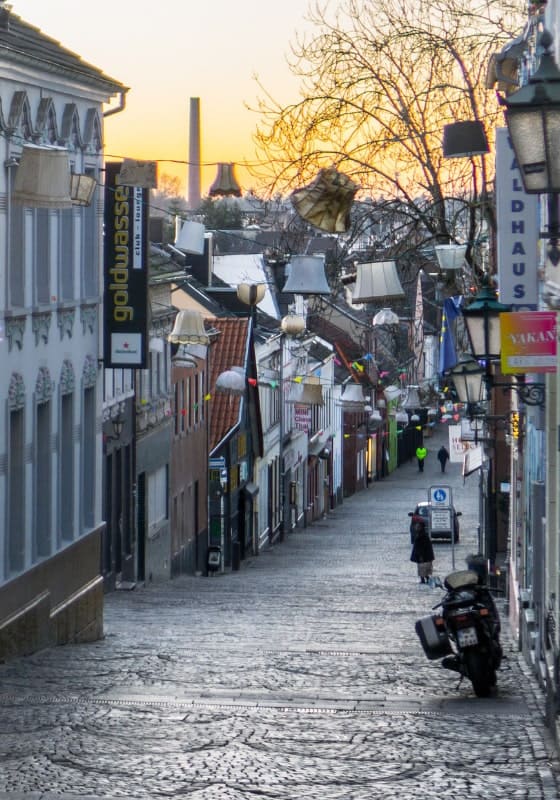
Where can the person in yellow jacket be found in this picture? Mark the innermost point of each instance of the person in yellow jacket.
(421, 454)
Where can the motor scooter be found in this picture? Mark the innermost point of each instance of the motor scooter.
(465, 634)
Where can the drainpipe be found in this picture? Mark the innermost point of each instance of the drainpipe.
(118, 108)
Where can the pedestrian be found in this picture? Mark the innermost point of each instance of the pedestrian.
(443, 457)
(421, 454)
(422, 552)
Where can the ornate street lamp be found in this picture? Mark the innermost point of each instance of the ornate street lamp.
(468, 379)
(533, 120)
(482, 318)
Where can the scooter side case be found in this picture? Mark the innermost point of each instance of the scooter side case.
(433, 636)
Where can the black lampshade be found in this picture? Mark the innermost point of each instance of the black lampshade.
(462, 139)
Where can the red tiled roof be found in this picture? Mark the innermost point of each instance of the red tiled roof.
(229, 350)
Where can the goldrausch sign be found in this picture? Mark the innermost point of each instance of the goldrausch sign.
(125, 297)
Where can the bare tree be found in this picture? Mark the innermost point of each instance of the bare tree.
(379, 80)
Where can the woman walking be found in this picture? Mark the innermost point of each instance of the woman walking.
(422, 552)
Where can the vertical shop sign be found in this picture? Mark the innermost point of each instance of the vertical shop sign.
(517, 236)
(125, 297)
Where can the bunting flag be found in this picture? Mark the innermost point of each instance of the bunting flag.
(447, 351)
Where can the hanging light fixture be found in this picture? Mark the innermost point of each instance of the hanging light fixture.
(82, 189)
(225, 183)
(450, 256)
(385, 317)
(292, 324)
(231, 382)
(466, 138)
(188, 329)
(307, 276)
(42, 178)
(191, 238)
(327, 201)
(375, 280)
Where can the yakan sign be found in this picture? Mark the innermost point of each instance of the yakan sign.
(125, 298)
(528, 342)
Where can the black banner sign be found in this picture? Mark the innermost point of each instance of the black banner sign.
(125, 298)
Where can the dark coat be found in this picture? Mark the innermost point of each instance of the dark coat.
(422, 550)
(443, 455)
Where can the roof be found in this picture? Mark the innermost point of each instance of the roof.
(230, 350)
(23, 43)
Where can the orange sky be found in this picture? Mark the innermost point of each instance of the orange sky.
(170, 51)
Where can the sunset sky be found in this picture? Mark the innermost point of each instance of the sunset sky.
(170, 51)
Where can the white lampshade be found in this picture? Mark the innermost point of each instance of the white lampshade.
(188, 329)
(353, 394)
(231, 382)
(191, 238)
(82, 188)
(43, 178)
(451, 256)
(385, 317)
(378, 279)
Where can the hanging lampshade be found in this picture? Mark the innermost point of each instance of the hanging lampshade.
(412, 399)
(82, 188)
(292, 324)
(401, 417)
(231, 382)
(191, 238)
(415, 418)
(385, 317)
(466, 138)
(43, 178)
(391, 393)
(326, 201)
(353, 394)
(188, 329)
(375, 416)
(225, 183)
(450, 256)
(306, 393)
(138, 173)
(375, 280)
(307, 276)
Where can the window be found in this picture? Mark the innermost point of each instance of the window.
(16, 494)
(66, 486)
(66, 255)
(43, 482)
(88, 458)
(42, 276)
(157, 497)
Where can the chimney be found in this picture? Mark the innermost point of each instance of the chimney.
(194, 198)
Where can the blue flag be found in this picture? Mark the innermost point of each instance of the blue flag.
(447, 351)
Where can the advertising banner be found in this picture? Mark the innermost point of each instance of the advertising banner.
(125, 297)
(528, 341)
(518, 230)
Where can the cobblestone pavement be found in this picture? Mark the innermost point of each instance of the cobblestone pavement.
(300, 676)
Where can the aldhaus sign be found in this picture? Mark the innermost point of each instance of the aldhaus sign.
(125, 298)
(518, 230)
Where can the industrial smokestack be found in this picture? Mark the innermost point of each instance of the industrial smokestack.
(194, 198)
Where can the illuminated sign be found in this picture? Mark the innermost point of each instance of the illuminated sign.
(125, 298)
(528, 341)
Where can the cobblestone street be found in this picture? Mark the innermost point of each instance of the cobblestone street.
(300, 676)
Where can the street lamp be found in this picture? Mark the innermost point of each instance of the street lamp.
(482, 318)
(533, 120)
(468, 379)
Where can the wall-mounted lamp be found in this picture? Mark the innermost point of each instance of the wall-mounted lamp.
(117, 424)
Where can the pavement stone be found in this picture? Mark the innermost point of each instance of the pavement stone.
(300, 675)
